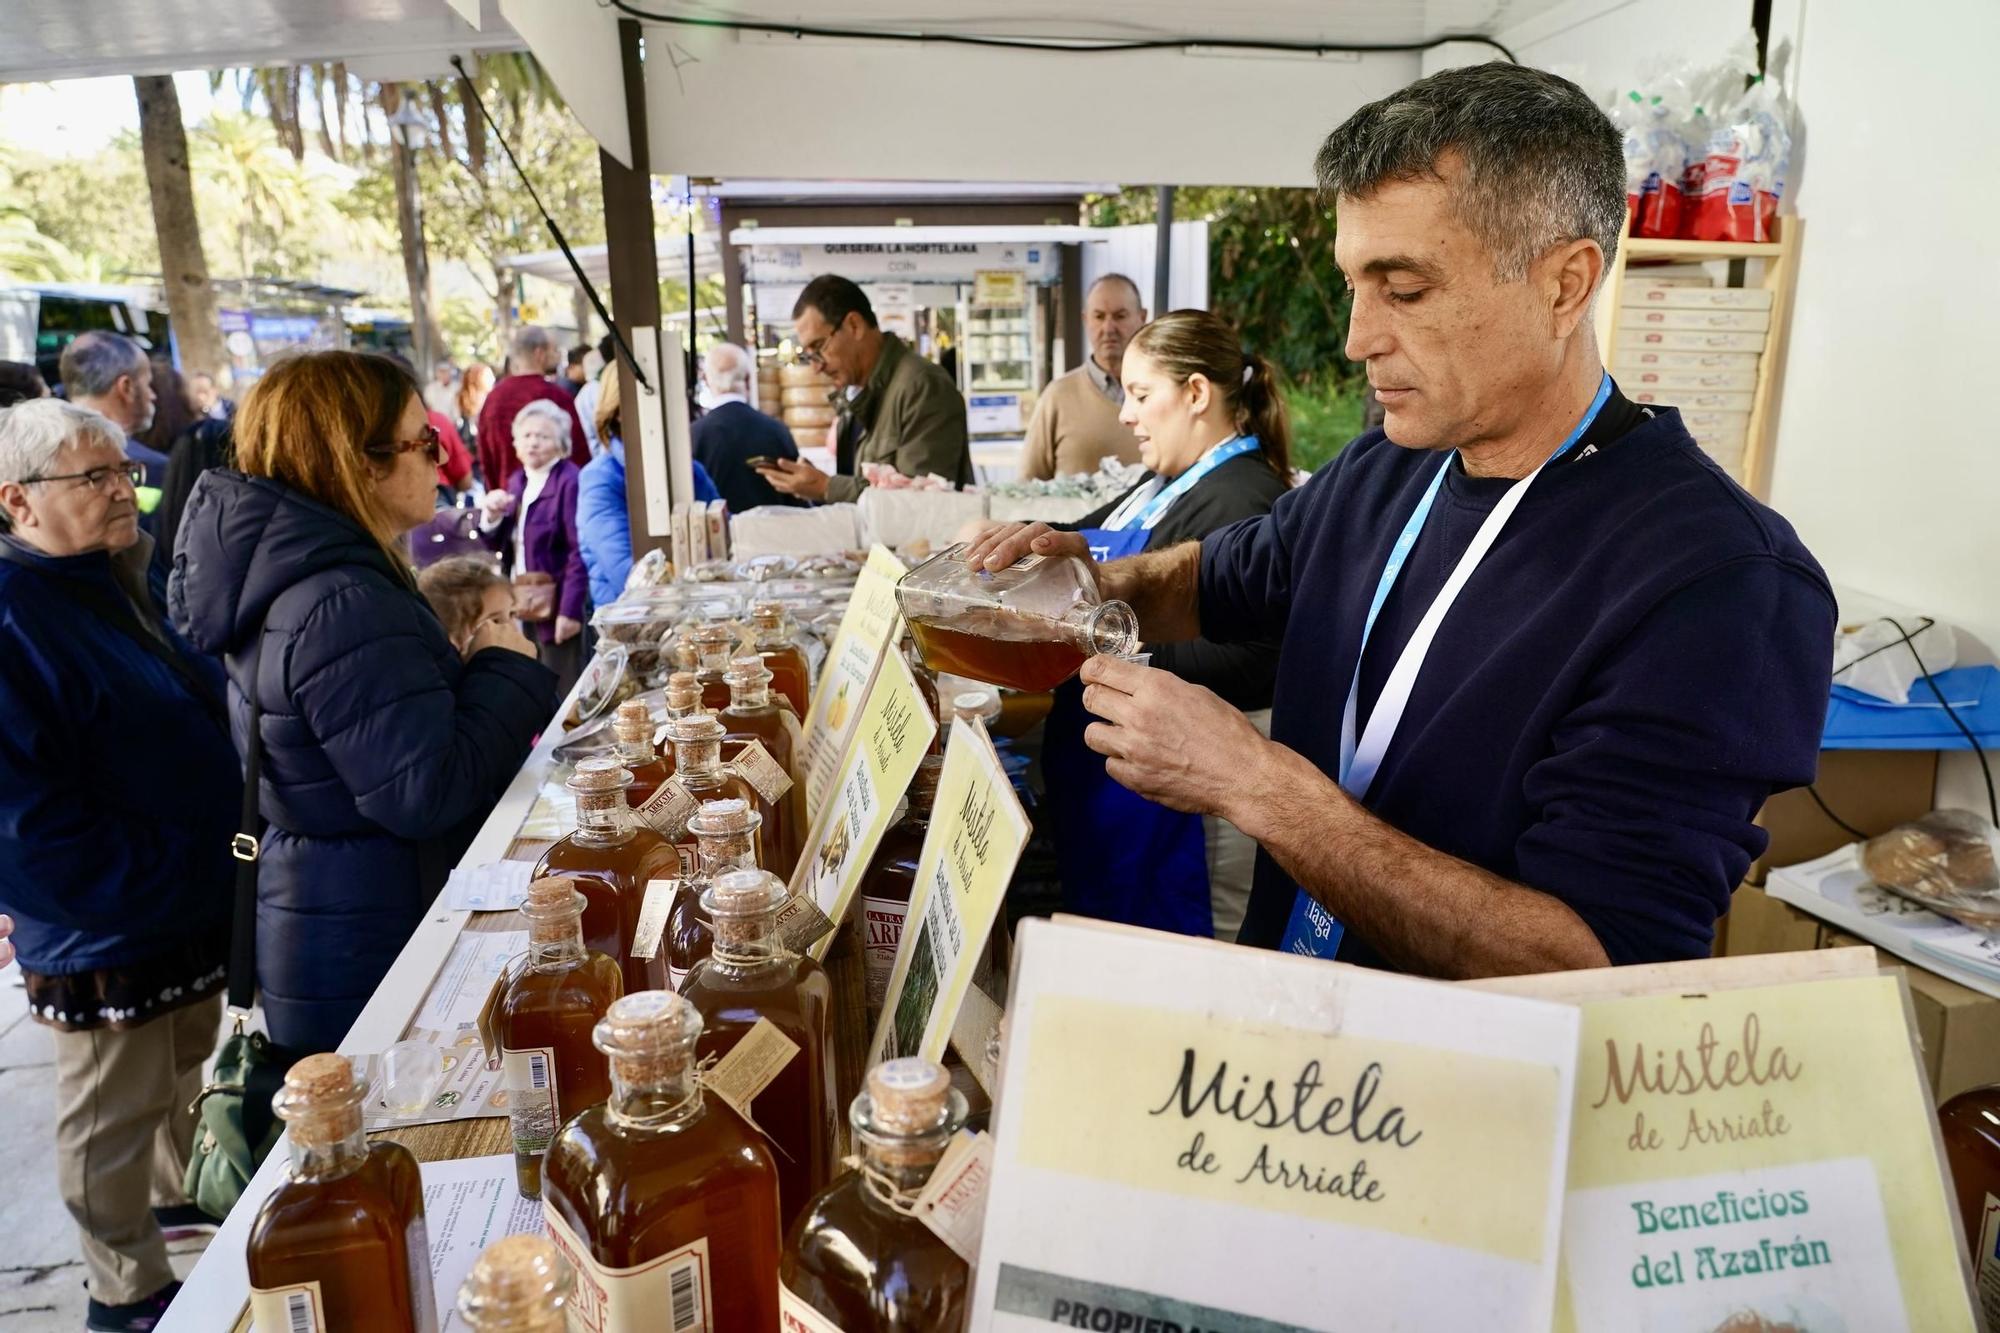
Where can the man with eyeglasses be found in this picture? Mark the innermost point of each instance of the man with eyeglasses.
(895, 407)
(119, 790)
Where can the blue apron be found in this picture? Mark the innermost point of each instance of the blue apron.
(1122, 857)
(1312, 930)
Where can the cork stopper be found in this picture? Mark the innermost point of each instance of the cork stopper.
(649, 1037)
(320, 1101)
(686, 656)
(747, 672)
(634, 723)
(980, 705)
(553, 905)
(768, 615)
(907, 1112)
(683, 691)
(599, 784)
(520, 1284)
(924, 783)
(743, 904)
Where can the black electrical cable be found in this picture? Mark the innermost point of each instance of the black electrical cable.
(1058, 47)
(1827, 810)
(562, 242)
(1985, 768)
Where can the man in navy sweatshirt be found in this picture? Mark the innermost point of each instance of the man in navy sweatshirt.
(1542, 660)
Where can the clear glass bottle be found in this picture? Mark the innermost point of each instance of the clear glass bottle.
(519, 1284)
(663, 1199)
(1970, 1123)
(714, 644)
(784, 656)
(544, 1020)
(750, 976)
(699, 775)
(1028, 627)
(613, 856)
(857, 1257)
(634, 730)
(683, 700)
(341, 1244)
(890, 879)
(726, 839)
(752, 716)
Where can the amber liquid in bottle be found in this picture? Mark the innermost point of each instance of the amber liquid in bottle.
(751, 716)
(999, 648)
(791, 675)
(683, 700)
(726, 832)
(663, 1171)
(544, 1023)
(1971, 1127)
(853, 1257)
(750, 976)
(349, 1220)
(613, 856)
(636, 751)
(713, 645)
(891, 877)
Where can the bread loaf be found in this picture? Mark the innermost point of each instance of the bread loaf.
(1945, 861)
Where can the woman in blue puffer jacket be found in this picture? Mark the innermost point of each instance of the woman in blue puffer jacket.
(383, 750)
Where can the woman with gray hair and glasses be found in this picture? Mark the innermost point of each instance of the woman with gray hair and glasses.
(532, 523)
(118, 883)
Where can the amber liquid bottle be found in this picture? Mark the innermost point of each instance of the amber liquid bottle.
(341, 1244)
(613, 857)
(726, 833)
(714, 643)
(662, 1199)
(636, 751)
(887, 884)
(751, 976)
(857, 1258)
(778, 645)
(519, 1284)
(1971, 1126)
(699, 775)
(752, 716)
(992, 646)
(544, 1021)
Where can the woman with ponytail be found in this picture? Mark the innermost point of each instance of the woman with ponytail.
(1216, 444)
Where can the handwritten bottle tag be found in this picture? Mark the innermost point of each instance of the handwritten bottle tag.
(953, 1201)
(669, 809)
(755, 766)
(653, 910)
(750, 1066)
(801, 924)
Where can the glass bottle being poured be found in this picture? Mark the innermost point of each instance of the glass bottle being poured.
(858, 1257)
(613, 857)
(341, 1243)
(1027, 627)
(725, 835)
(663, 1199)
(519, 1284)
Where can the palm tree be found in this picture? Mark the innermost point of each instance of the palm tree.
(183, 266)
(242, 158)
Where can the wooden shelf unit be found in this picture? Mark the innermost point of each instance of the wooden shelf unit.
(1780, 264)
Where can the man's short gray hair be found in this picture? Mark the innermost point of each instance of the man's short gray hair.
(539, 410)
(531, 340)
(727, 368)
(1541, 163)
(33, 432)
(94, 362)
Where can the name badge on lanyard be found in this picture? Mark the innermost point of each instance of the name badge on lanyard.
(1312, 930)
(1146, 512)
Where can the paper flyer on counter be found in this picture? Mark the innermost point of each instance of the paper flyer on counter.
(1244, 1141)
(889, 742)
(976, 834)
(469, 1203)
(859, 647)
(468, 1086)
(1759, 1158)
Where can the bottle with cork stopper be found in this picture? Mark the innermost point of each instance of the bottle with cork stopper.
(858, 1259)
(752, 719)
(726, 839)
(683, 700)
(633, 727)
(699, 775)
(778, 644)
(614, 858)
(891, 877)
(519, 1284)
(714, 643)
(342, 1243)
(663, 1199)
(750, 979)
(547, 1010)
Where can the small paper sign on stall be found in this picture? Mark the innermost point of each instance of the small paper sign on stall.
(976, 834)
(889, 741)
(1196, 1136)
(863, 641)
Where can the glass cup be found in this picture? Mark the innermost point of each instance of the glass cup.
(410, 1073)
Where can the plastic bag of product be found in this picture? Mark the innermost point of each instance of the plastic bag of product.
(1749, 153)
(1632, 116)
(1948, 861)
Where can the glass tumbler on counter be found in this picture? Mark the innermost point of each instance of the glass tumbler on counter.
(1027, 627)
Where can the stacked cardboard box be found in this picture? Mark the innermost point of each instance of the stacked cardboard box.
(1686, 343)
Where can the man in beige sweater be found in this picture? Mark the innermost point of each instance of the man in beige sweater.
(1076, 423)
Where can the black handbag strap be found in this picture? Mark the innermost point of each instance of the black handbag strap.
(247, 847)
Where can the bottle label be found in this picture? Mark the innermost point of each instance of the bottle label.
(1988, 1276)
(659, 901)
(531, 1098)
(669, 1294)
(757, 1058)
(953, 1201)
(295, 1309)
(755, 766)
(795, 1316)
(423, 1296)
(677, 978)
(882, 920)
(669, 809)
(801, 924)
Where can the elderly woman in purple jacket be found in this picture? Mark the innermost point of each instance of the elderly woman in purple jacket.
(533, 525)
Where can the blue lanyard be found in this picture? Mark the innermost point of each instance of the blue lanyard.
(1156, 508)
